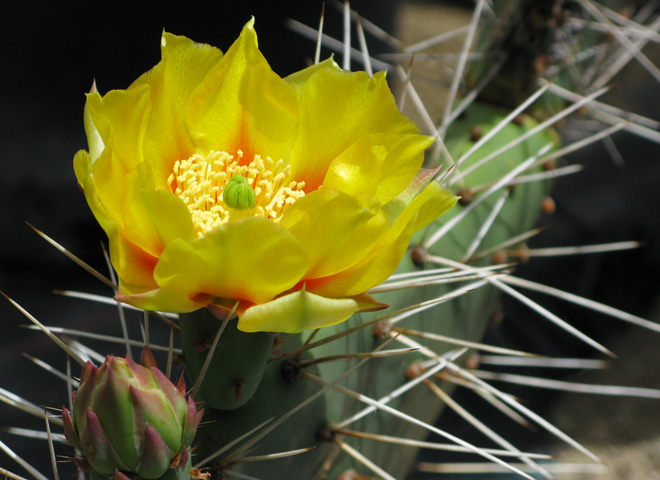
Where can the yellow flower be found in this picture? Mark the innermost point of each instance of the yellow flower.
(331, 168)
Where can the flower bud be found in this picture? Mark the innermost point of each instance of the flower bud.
(130, 421)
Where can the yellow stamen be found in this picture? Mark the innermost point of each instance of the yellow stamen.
(200, 181)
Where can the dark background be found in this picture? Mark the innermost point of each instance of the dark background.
(52, 51)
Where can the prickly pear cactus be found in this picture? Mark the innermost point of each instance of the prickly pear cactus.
(266, 394)
(313, 354)
(254, 396)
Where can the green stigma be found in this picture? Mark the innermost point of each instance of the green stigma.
(238, 194)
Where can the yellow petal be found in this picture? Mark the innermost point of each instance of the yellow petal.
(168, 215)
(132, 263)
(296, 312)
(336, 109)
(82, 163)
(378, 165)
(335, 229)
(252, 259)
(165, 300)
(367, 303)
(120, 117)
(184, 64)
(298, 79)
(242, 104)
(374, 269)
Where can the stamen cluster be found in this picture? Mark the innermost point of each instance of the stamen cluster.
(200, 182)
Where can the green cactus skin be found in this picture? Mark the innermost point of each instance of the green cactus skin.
(239, 379)
(465, 318)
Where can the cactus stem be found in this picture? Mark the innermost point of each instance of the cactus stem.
(302, 349)
(346, 356)
(501, 183)
(312, 336)
(538, 128)
(513, 240)
(363, 460)
(503, 123)
(209, 356)
(485, 227)
(419, 273)
(441, 363)
(395, 316)
(170, 355)
(547, 175)
(588, 140)
(418, 307)
(231, 444)
(419, 256)
(291, 370)
(267, 429)
(377, 405)
(238, 390)
(451, 277)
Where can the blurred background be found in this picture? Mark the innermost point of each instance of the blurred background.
(53, 51)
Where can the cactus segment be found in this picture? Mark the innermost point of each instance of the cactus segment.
(464, 317)
(237, 365)
(274, 397)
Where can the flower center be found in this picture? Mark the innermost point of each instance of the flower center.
(200, 182)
